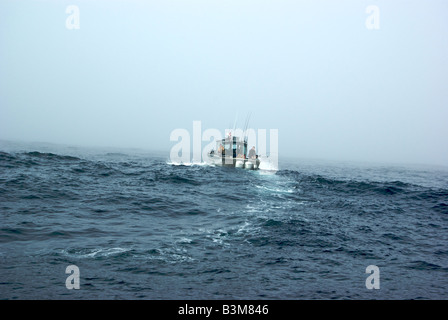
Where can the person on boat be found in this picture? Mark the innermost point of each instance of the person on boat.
(220, 149)
(252, 153)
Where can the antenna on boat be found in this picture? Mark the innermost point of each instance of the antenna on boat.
(234, 124)
(246, 124)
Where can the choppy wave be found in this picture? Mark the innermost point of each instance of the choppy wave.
(279, 234)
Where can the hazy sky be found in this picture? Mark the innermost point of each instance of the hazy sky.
(136, 70)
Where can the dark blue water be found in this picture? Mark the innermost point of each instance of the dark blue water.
(140, 228)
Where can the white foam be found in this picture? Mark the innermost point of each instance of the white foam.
(267, 165)
(173, 255)
(96, 252)
(276, 189)
(188, 164)
(184, 240)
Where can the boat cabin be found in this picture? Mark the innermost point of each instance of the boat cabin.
(232, 152)
(232, 147)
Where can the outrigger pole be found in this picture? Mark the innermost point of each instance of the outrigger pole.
(234, 123)
(246, 124)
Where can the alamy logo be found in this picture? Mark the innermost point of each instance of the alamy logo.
(373, 20)
(72, 21)
(237, 143)
(72, 281)
(373, 281)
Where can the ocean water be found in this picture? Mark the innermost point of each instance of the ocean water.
(139, 227)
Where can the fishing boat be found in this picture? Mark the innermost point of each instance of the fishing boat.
(232, 152)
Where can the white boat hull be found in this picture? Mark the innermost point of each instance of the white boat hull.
(249, 164)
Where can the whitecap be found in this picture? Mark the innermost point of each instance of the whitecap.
(93, 253)
(187, 164)
(184, 240)
(276, 189)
